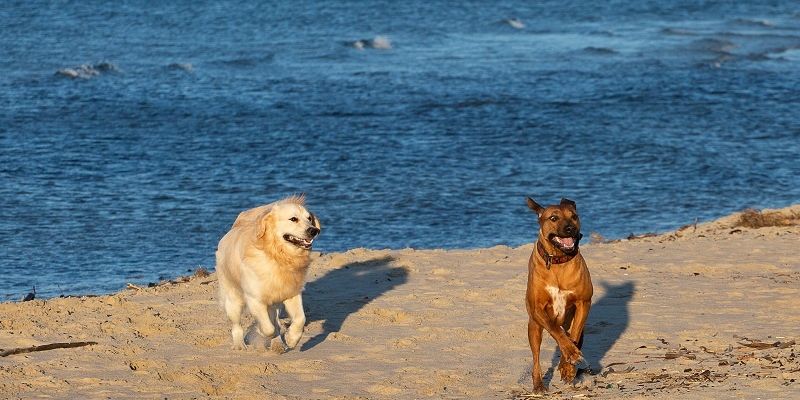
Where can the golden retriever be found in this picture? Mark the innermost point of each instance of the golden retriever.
(262, 262)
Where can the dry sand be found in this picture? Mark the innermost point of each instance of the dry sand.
(706, 312)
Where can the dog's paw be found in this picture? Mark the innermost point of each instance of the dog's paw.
(539, 389)
(571, 354)
(293, 340)
(239, 346)
(567, 371)
(267, 333)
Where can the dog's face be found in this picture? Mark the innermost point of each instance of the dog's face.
(559, 224)
(291, 224)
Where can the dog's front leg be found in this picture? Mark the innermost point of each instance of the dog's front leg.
(578, 323)
(294, 307)
(265, 317)
(543, 315)
(565, 368)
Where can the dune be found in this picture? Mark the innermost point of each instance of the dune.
(707, 311)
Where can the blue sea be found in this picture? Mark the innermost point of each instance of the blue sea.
(132, 133)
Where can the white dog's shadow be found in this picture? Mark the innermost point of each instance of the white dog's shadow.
(344, 291)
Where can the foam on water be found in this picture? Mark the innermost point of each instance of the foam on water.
(87, 71)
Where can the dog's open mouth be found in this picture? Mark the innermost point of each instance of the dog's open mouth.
(566, 244)
(299, 242)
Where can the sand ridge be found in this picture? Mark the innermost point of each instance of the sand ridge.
(708, 311)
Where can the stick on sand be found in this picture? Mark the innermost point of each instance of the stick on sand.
(44, 347)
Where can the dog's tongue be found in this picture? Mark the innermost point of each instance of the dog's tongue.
(566, 241)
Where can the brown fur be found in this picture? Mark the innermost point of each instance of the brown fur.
(558, 296)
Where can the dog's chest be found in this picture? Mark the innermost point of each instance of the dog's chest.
(559, 298)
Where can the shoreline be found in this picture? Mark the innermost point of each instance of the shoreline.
(706, 311)
(590, 238)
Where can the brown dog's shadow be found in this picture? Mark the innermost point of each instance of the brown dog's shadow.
(345, 290)
(608, 320)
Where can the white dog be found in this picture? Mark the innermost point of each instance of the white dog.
(261, 262)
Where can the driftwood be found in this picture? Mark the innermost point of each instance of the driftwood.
(44, 347)
(757, 344)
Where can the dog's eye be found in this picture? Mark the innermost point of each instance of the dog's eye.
(574, 217)
(293, 219)
(553, 218)
(310, 219)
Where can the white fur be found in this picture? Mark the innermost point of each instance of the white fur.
(559, 298)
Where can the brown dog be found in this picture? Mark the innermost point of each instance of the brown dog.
(559, 291)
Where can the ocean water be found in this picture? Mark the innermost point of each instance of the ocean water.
(132, 133)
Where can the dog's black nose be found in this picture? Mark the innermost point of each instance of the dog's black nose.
(570, 229)
(313, 231)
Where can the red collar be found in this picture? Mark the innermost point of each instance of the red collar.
(550, 259)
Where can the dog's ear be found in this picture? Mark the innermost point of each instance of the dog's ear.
(569, 203)
(534, 206)
(264, 221)
(315, 221)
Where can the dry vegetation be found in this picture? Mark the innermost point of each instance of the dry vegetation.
(596, 237)
(751, 218)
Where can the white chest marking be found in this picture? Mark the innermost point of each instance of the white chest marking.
(559, 299)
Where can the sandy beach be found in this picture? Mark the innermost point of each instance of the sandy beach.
(708, 311)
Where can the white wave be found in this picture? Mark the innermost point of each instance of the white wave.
(182, 66)
(87, 71)
(379, 42)
(755, 22)
(515, 23)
